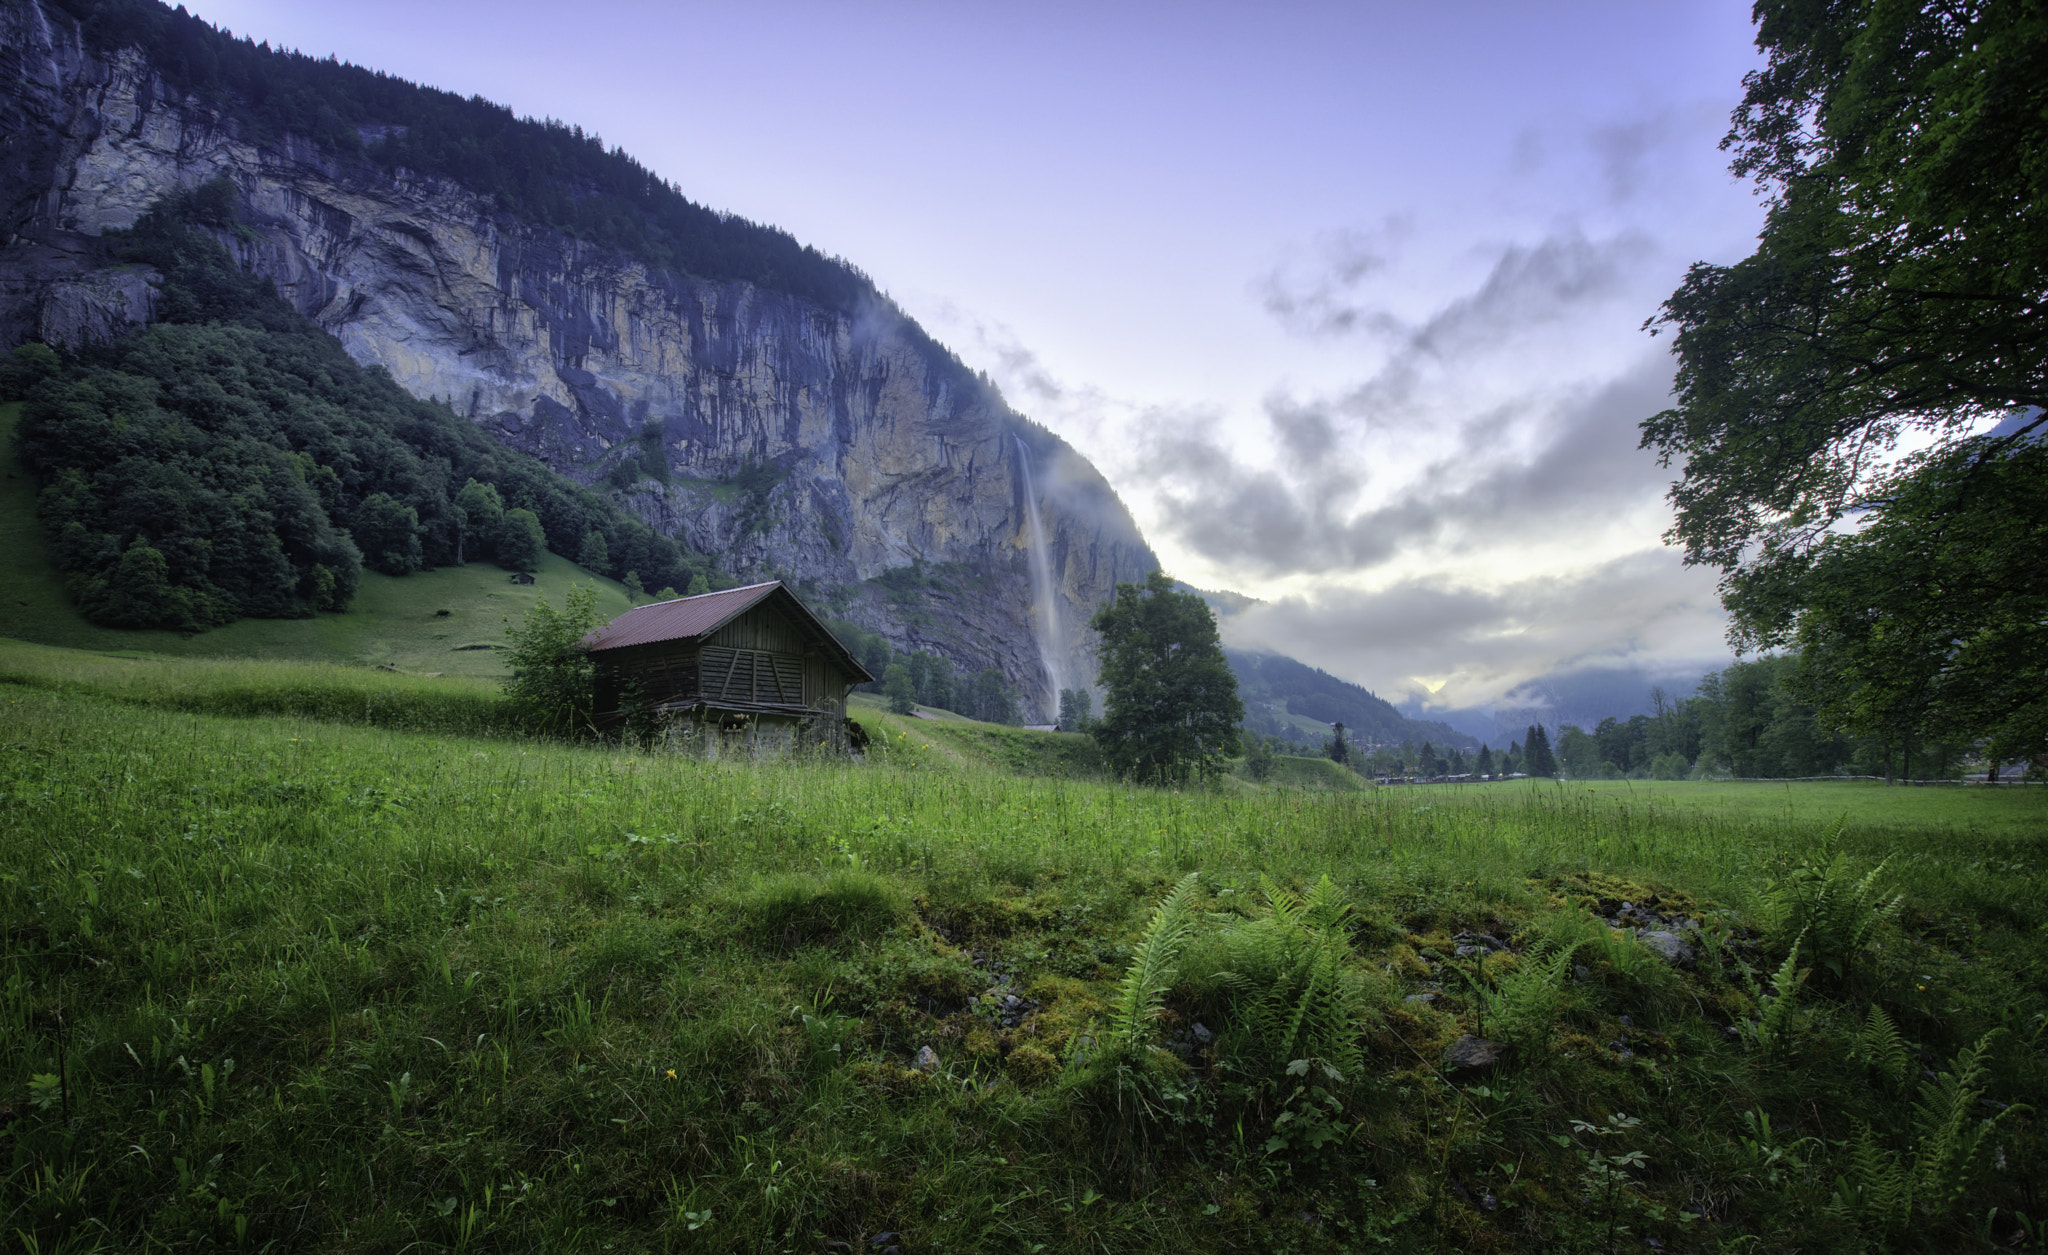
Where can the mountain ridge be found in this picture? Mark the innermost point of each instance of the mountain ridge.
(826, 444)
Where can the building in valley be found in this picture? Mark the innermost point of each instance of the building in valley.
(748, 669)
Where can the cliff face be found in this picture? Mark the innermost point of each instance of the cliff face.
(781, 437)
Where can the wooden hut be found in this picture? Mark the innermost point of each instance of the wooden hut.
(745, 669)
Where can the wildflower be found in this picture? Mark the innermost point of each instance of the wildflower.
(671, 1074)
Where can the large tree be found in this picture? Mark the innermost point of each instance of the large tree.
(1895, 298)
(1171, 708)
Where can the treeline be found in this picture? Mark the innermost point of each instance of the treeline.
(1748, 721)
(232, 461)
(911, 678)
(545, 172)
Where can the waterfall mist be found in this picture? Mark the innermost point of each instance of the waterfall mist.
(1048, 616)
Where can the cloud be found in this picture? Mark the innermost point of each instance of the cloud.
(1467, 645)
(1580, 467)
(1527, 285)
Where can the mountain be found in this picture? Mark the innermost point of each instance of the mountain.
(1583, 697)
(1295, 701)
(744, 395)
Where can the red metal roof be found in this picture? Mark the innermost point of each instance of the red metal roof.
(686, 617)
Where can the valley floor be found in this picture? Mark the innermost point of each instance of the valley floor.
(311, 958)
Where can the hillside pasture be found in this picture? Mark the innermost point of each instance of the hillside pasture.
(395, 621)
(287, 982)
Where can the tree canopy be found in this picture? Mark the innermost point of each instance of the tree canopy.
(1171, 708)
(1894, 301)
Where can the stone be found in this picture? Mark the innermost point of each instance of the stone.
(1475, 1054)
(927, 1059)
(1668, 946)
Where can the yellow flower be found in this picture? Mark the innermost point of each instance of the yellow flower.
(671, 1074)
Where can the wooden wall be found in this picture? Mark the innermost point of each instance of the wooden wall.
(761, 658)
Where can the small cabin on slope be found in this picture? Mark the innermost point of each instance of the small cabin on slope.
(748, 669)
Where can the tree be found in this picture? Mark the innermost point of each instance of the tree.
(1895, 294)
(897, 687)
(1077, 710)
(939, 689)
(1537, 760)
(635, 590)
(1483, 765)
(138, 594)
(990, 698)
(1913, 626)
(552, 686)
(594, 555)
(479, 515)
(521, 541)
(1259, 758)
(1171, 708)
(388, 533)
(1430, 765)
(1339, 749)
(1579, 754)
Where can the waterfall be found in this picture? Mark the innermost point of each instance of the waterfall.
(1049, 638)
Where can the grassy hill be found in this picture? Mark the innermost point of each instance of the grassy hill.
(394, 622)
(273, 981)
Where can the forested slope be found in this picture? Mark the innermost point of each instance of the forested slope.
(231, 460)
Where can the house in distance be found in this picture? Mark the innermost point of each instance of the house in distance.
(747, 670)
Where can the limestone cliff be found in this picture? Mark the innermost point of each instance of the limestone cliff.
(783, 438)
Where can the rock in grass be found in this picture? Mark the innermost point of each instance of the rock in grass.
(1668, 946)
(1475, 1054)
(927, 1059)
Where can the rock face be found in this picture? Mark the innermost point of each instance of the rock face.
(846, 453)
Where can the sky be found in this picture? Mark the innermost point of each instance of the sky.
(1346, 300)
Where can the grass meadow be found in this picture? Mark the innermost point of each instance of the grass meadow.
(312, 958)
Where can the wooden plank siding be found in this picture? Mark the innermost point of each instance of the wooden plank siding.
(761, 661)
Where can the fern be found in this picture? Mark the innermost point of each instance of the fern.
(1773, 1026)
(1882, 1049)
(1151, 973)
(1524, 1002)
(1836, 914)
(1950, 1133)
(1297, 995)
(1876, 1193)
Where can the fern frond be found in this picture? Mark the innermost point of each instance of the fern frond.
(1326, 908)
(1951, 1135)
(1880, 1046)
(1151, 972)
(1774, 1024)
(1876, 1194)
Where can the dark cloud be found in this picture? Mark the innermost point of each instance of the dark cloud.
(1298, 517)
(1644, 610)
(1628, 152)
(1528, 285)
(1326, 303)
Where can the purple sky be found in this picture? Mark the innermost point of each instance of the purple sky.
(1344, 298)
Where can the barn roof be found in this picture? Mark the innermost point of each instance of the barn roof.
(686, 618)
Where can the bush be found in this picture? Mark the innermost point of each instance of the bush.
(552, 687)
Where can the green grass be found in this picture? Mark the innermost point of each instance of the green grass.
(394, 622)
(278, 982)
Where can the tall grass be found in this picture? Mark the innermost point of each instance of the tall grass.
(348, 981)
(325, 692)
